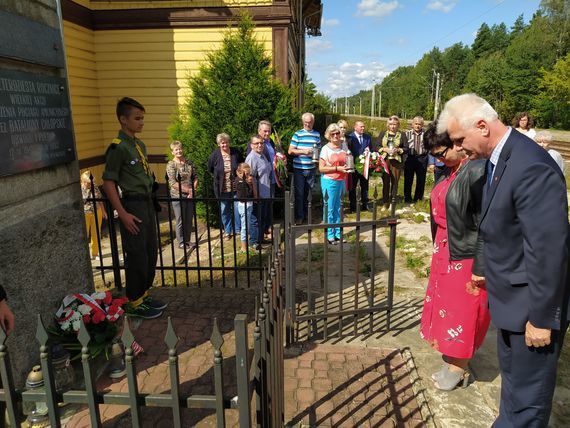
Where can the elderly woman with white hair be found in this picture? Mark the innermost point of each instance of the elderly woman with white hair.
(543, 139)
(332, 165)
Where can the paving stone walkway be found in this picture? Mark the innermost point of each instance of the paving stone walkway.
(325, 385)
(351, 386)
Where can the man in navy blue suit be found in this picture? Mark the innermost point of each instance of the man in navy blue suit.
(358, 141)
(524, 224)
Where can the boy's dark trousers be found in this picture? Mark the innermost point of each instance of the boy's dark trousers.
(142, 249)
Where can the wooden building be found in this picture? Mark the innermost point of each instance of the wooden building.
(145, 49)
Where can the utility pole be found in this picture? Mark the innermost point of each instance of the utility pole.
(380, 102)
(346, 110)
(432, 98)
(437, 96)
(360, 111)
(373, 98)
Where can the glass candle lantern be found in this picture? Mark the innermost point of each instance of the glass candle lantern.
(36, 410)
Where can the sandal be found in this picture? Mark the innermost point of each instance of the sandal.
(451, 379)
(441, 372)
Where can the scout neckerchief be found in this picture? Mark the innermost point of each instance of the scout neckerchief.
(143, 158)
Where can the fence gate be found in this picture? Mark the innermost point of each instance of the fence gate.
(338, 289)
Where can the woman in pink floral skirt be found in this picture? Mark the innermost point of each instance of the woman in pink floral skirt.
(455, 317)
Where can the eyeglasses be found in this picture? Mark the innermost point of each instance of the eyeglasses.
(440, 155)
(334, 133)
(257, 143)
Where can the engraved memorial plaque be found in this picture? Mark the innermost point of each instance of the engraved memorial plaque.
(35, 122)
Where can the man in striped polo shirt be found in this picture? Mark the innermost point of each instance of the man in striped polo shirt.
(301, 148)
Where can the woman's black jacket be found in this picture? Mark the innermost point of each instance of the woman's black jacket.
(216, 167)
(463, 211)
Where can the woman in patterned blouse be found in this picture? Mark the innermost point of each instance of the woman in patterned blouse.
(183, 182)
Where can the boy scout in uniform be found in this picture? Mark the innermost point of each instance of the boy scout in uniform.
(127, 166)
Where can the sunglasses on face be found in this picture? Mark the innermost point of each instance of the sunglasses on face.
(440, 155)
(335, 133)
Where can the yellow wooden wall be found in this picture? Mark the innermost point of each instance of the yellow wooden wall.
(84, 90)
(151, 66)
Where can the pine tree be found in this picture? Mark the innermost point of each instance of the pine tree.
(233, 90)
(482, 41)
(518, 26)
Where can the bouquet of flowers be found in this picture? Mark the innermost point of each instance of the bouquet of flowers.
(371, 162)
(279, 162)
(99, 312)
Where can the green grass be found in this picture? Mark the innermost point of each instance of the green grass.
(417, 263)
(317, 252)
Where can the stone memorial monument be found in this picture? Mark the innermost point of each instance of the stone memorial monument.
(43, 248)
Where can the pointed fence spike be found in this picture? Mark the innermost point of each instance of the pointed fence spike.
(375, 192)
(41, 333)
(216, 339)
(83, 335)
(171, 339)
(326, 198)
(127, 337)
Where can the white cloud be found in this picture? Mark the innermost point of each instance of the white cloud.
(333, 22)
(351, 77)
(400, 41)
(316, 45)
(444, 6)
(376, 8)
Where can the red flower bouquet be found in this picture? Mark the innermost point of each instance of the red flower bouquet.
(99, 312)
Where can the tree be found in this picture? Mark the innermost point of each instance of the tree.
(525, 56)
(482, 43)
(518, 26)
(552, 104)
(456, 61)
(558, 14)
(233, 90)
(486, 78)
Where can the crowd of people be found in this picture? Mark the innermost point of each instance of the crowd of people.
(499, 217)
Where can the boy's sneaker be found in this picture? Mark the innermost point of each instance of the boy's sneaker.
(151, 302)
(145, 312)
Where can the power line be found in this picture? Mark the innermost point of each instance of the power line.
(432, 44)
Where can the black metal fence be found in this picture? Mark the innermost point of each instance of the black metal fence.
(353, 305)
(259, 378)
(212, 258)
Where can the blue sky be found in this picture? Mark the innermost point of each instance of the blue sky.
(363, 40)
